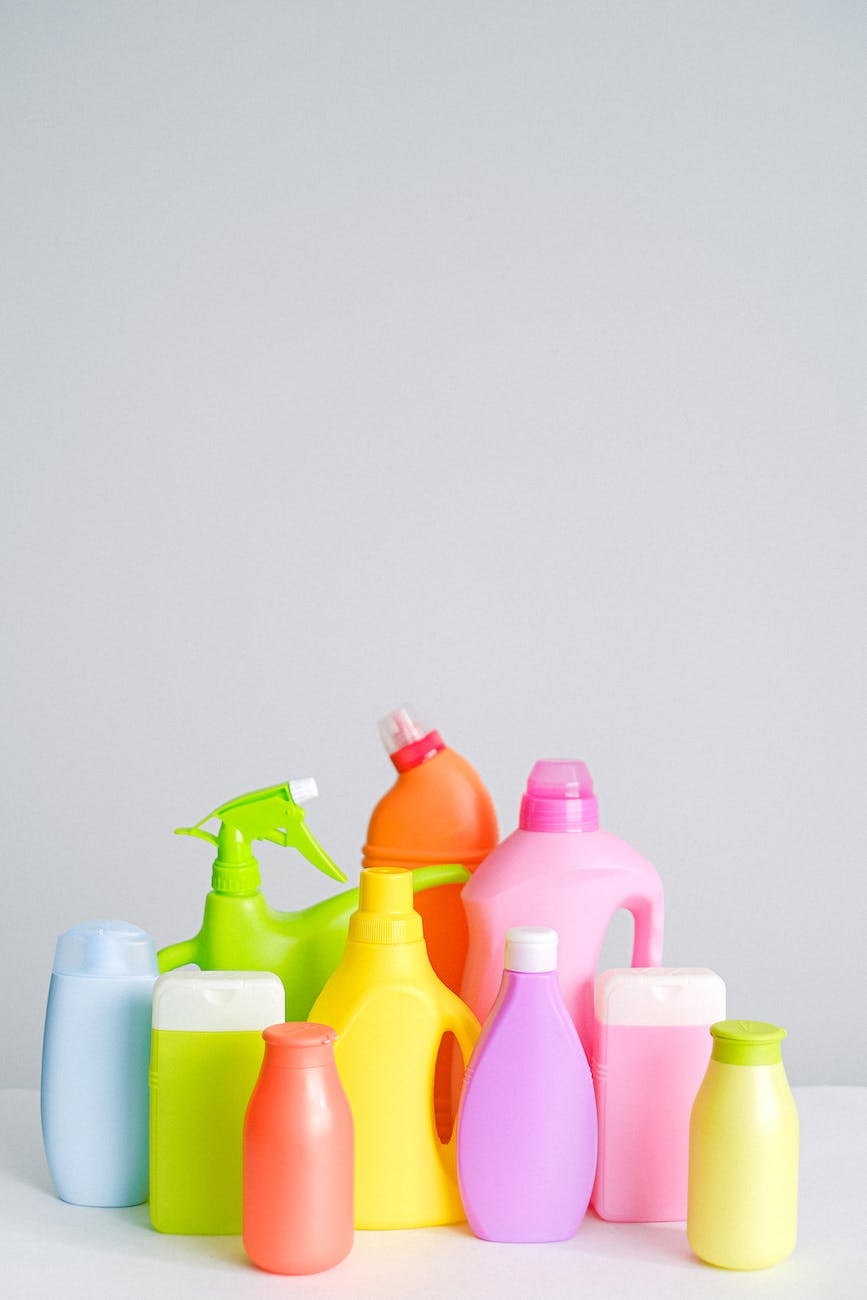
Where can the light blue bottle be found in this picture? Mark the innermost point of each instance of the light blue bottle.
(95, 1056)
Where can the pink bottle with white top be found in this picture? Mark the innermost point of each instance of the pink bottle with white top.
(560, 870)
(652, 1050)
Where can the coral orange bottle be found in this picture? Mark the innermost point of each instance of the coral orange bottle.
(299, 1163)
(438, 810)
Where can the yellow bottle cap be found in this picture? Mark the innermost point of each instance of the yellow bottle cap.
(385, 908)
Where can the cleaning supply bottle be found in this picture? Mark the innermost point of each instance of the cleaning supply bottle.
(438, 810)
(527, 1117)
(95, 1063)
(240, 931)
(390, 1013)
(650, 1058)
(299, 1155)
(559, 869)
(206, 1052)
(742, 1209)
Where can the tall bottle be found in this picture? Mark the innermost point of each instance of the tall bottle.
(742, 1210)
(438, 810)
(527, 1117)
(559, 869)
(95, 1063)
(298, 1155)
(391, 1014)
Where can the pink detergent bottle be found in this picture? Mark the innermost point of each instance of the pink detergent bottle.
(527, 1117)
(559, 869)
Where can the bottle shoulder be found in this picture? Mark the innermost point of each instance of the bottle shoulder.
(524, 859)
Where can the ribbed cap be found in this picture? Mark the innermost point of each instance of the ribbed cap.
(531, 949)
(297, 1045)
(106, 950)
(385, 908)
(559, 797)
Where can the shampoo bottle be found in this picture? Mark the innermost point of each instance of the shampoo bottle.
(205, 1058)
(391, 1014)
(95, 1063)
(527, 1117)
(743, 1151)
(560, 869)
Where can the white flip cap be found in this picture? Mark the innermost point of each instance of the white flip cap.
(531, 948)
(218, 1001)
(660, 995)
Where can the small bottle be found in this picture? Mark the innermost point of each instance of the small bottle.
(743, 1151)
(391, 1014)
(298, 1155)
(527, 1117)
(650, 1058)
(95, 1063)
(205, 1058)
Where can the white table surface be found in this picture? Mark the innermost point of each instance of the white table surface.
(50, 1249)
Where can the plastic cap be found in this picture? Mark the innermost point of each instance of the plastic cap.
(386, 913)
(531, 948)
(407, 741)
(304, 789)
(559, 797)
(299, 1044)
(746, 1042)
(218, 1000)
(106, 950)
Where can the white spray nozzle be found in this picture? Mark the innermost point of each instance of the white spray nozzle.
(303, 790)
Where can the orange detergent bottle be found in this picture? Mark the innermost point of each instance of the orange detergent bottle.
(437, 811)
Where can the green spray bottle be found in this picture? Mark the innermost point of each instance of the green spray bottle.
(241, 932)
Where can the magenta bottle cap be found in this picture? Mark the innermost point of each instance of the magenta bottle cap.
(559, 797)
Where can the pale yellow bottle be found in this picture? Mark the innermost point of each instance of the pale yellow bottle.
(742, 1208)
(391, 1013)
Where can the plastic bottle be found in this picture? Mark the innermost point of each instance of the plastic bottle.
(391, 1012)
(559, 869)
(298, 1155)
(438, 810)
(95, 1063)
(206, 1055)
(240, 931)
(743, 1151)
(650, 1058)
(527, 1117)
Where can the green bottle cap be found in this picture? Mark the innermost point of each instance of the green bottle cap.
(746, 1042)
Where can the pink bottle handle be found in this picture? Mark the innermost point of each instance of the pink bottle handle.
(649, 917)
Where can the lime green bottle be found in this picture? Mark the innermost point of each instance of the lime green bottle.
(742, 1200)
(241, 932)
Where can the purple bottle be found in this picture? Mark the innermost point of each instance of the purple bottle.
(527, 1117)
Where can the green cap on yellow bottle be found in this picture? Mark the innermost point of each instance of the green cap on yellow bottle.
(746, 1042)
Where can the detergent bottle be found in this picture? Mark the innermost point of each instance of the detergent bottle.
(390, 1013)
(240, 931)
(559, 869)
(438, 810)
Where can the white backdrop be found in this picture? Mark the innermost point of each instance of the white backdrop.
(503, 357)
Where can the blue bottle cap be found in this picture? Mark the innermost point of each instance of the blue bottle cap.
(106, 950)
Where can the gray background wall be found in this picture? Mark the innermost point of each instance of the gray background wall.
(507, 358)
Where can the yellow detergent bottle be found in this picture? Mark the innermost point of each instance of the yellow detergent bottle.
(391, 1013)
